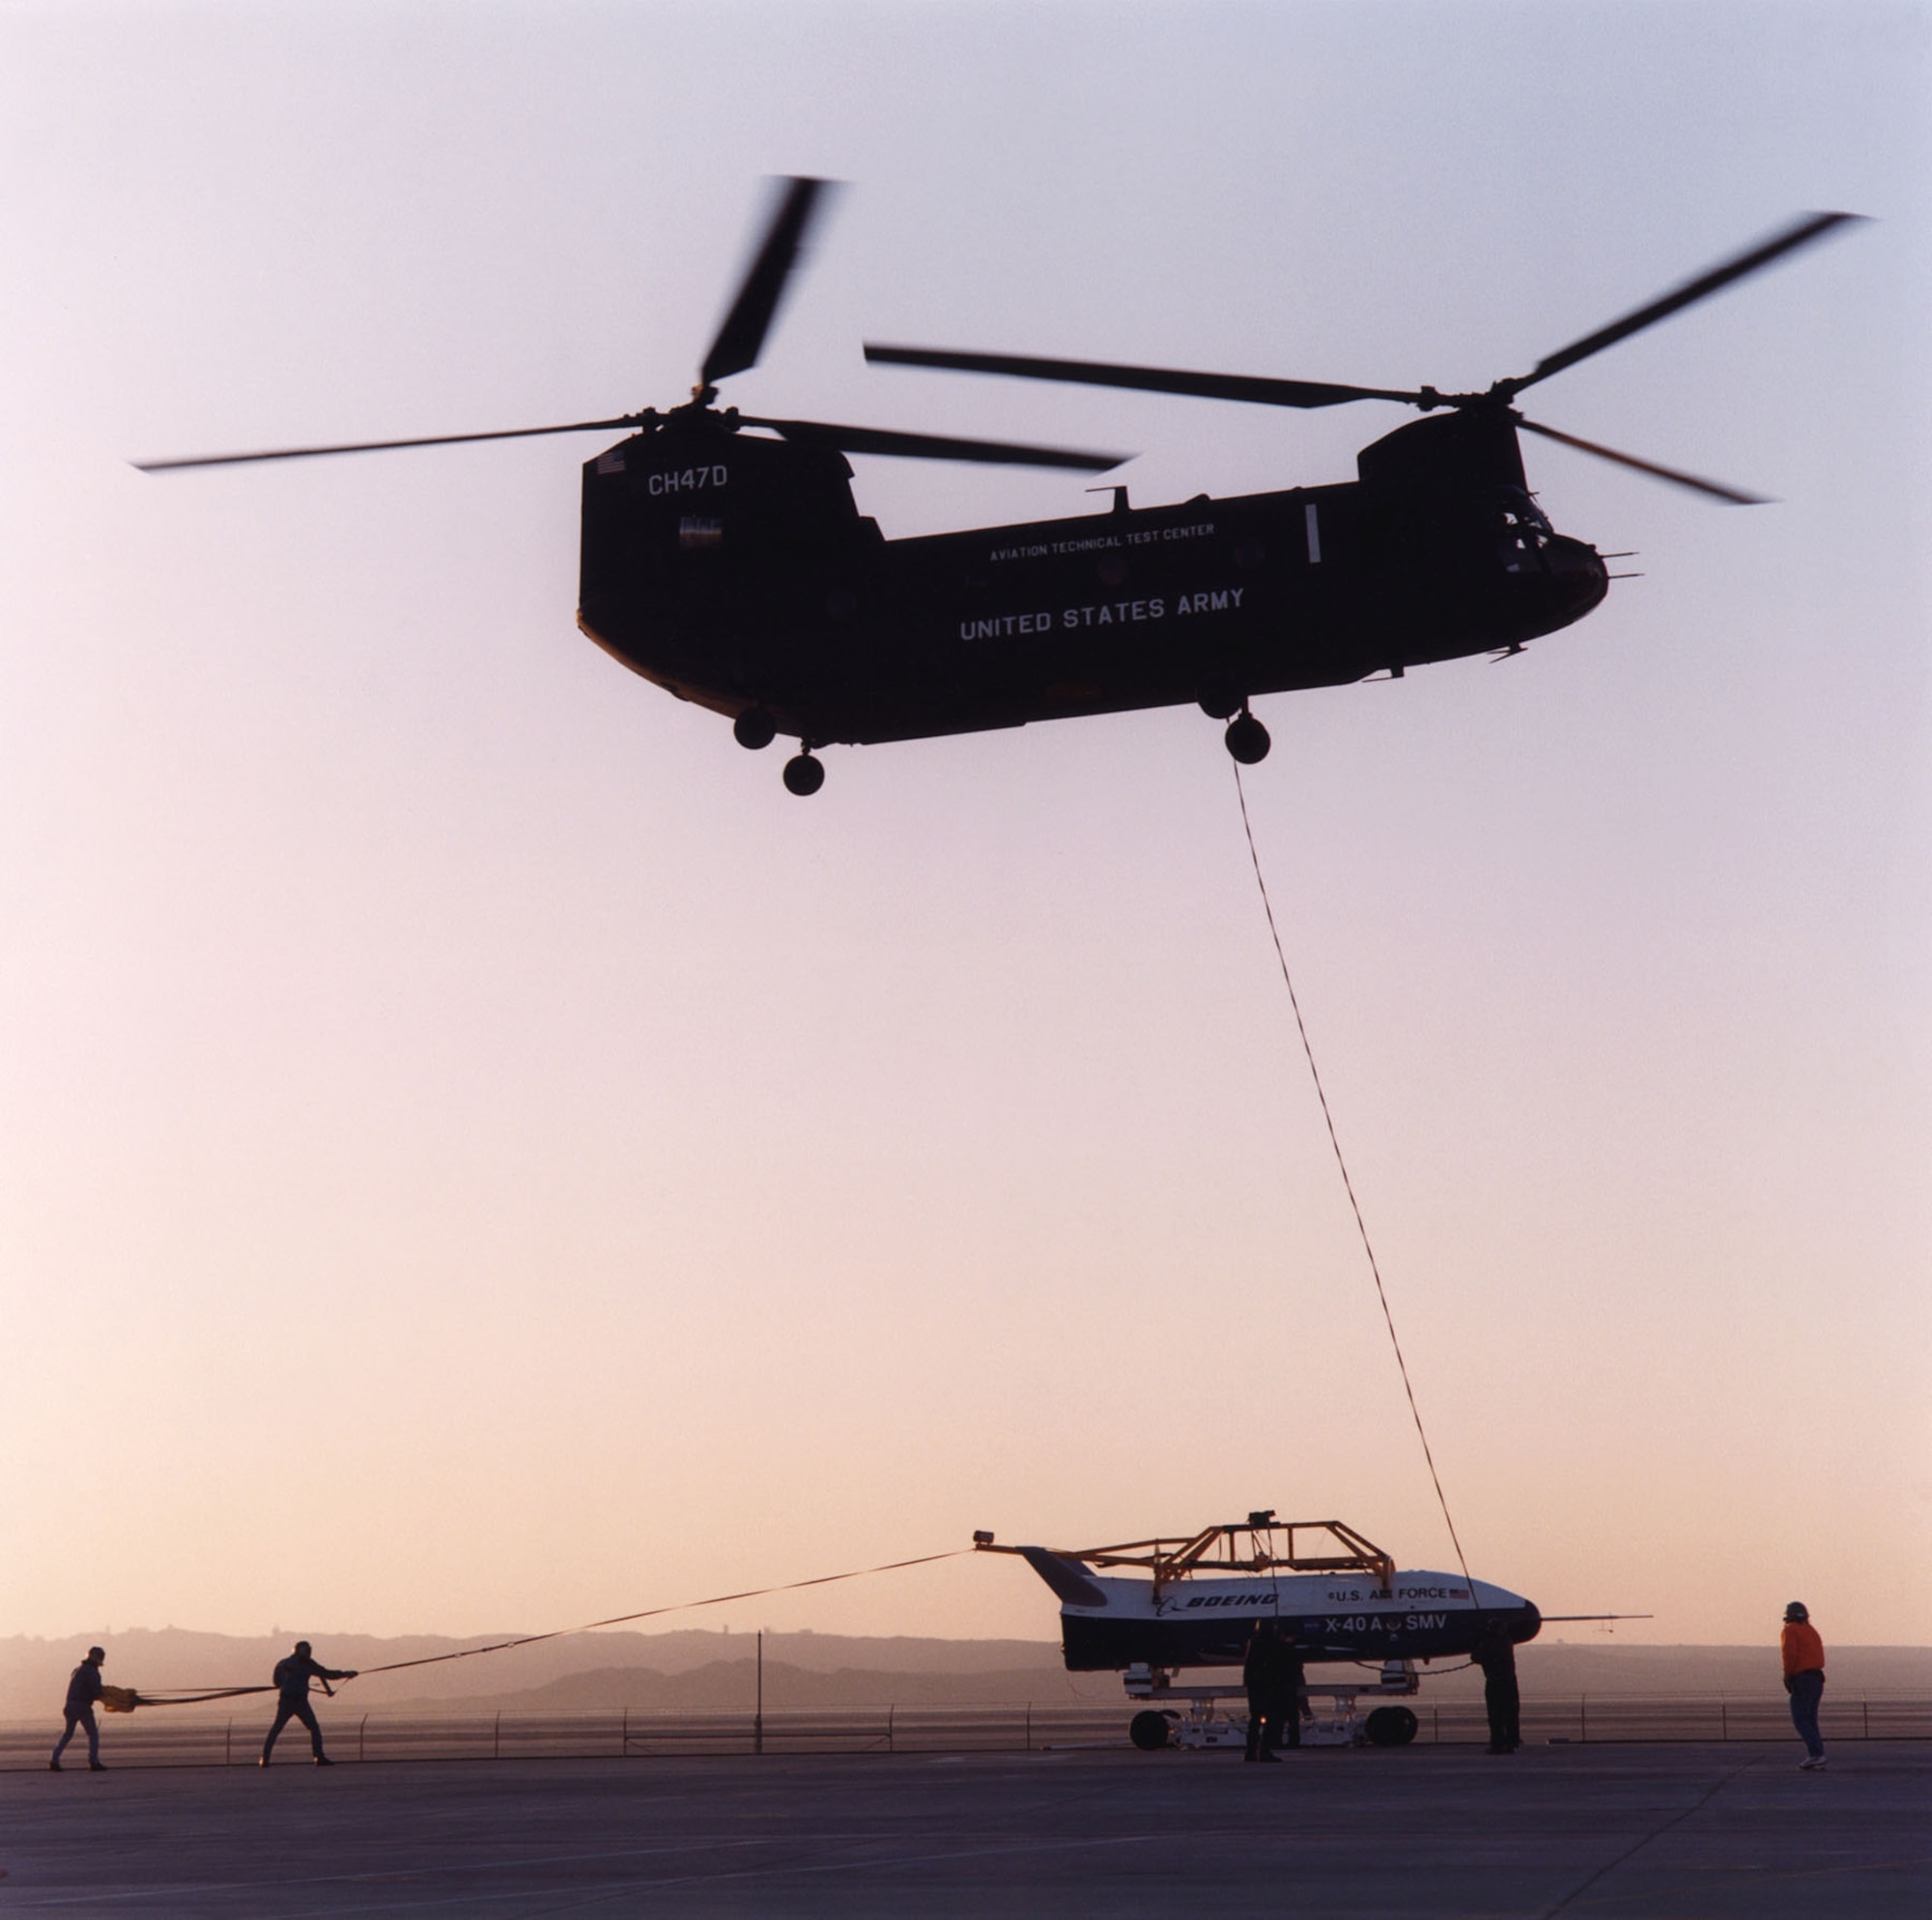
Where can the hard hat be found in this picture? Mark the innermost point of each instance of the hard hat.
(1798, 1610)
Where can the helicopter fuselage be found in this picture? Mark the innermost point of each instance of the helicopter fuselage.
(734, 568)
(738, 573)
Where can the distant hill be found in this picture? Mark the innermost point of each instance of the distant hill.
(1553, 1667)
(692, 1668)
(34, 1672)
(1549, 1670)
(734, 1684)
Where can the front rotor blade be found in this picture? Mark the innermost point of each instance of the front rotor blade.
(1730, 495)
(1146, 380)
(933, 446)
(1802, 232)
(743, 332)
(384, 447)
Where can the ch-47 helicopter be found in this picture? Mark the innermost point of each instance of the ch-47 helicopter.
(1193, 1600)
(725, 559)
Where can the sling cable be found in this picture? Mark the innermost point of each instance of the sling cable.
(123, 1700)
(1348, 1185)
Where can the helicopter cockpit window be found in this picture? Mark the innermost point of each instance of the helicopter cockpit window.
(694, 532)
(1520, 530)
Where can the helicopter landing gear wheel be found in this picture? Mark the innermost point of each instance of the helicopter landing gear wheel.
(1217, 698)
(1148, 1730)
(1247, 739)
(755, 729)
(803, 774)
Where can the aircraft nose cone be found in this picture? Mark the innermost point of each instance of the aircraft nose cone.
(1578, 572)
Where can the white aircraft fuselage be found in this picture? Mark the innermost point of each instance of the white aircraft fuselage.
(1109, 1623)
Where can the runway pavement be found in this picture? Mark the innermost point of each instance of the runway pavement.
(1692, 1832)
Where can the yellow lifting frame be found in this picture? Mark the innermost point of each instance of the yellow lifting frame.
(1271, 1544)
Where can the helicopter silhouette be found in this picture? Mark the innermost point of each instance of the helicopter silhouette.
(725, 559)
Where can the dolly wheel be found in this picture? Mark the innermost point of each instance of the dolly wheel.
(755, 729)
(1390, 1727)
(1148, 1730)
(804, 774)
(1247, 739)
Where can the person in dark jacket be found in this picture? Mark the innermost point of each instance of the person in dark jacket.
(1272, 1675)
(1294, 1677)
(292, 1678)
(83, 1690)
(1495, 1655)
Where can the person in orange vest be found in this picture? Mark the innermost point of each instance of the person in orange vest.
(1804, 1682)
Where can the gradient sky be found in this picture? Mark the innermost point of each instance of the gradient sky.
(475, 1153)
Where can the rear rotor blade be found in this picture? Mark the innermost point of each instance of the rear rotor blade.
(1808, 227)
(1730, 495)
(933, 446)
(385, 446)
(1146, 380)
(743, 332)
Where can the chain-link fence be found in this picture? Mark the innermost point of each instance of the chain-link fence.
(161, 1737)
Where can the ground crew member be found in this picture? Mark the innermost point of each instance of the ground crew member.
(1293, 1677)
(83, 1690)
(1502, 1702)
(1272, 1673)
(292, 1678)
(1804, 1682)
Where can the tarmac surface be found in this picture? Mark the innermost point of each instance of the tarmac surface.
(1704, 1832)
